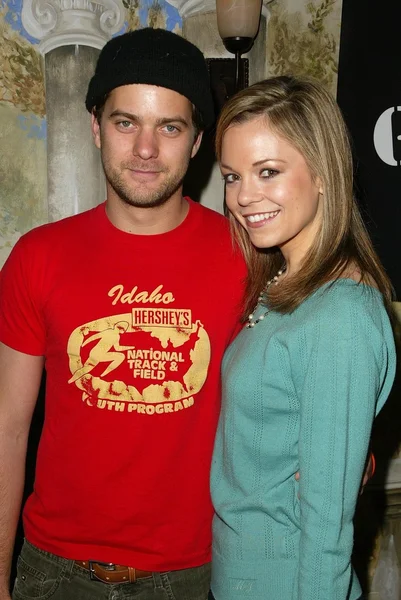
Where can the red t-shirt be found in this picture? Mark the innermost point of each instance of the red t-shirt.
(133, 329)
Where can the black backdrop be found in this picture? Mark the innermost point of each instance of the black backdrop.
(369, 93)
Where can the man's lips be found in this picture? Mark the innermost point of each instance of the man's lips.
(147, 167)
(145, 174)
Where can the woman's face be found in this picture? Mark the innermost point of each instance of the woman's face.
(270, 189)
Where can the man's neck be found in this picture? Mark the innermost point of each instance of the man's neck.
(147, 221)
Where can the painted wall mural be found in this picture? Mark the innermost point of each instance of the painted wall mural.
(152, 13)
(22, 130)
(303, 39)
(23, 162)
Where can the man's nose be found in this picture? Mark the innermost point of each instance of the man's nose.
(146, 144)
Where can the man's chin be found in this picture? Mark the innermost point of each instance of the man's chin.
(147, 201)
(143, 196)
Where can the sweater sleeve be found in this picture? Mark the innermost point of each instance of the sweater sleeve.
(345, 363)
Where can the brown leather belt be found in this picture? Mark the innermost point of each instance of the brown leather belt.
(111, 573)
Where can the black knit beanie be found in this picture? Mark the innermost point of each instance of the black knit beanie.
(154, 57)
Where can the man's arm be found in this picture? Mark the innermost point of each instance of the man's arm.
(20, 376)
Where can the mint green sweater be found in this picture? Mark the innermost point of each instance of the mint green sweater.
(300, 392)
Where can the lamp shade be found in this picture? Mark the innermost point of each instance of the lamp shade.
(238, 18)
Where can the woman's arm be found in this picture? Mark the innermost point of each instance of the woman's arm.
(344, 373)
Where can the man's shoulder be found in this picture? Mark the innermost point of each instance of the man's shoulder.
(211, 216)
(58, 230)
(215, 227)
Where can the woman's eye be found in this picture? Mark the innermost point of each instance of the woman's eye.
(230, 178)
(268, 173)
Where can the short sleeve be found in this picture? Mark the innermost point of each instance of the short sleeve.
(21, 323)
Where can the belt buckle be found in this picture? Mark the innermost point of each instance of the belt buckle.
(106, 566)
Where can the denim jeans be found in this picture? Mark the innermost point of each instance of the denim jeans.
(211, 597)
(41, 575)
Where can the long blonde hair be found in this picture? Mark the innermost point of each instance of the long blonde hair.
(305, 114)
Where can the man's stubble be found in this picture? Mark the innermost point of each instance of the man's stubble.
(135, 194)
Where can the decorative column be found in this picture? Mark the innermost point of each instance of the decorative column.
(200, 27)
(71, 33)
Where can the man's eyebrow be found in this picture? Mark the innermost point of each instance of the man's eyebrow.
(161, 121)
(123, 113)
(174, 119)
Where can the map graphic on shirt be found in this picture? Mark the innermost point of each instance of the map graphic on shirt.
(151, 360)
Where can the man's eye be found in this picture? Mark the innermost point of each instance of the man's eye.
(124, 124)
(171, 128)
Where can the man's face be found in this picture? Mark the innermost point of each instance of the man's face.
(147, 139)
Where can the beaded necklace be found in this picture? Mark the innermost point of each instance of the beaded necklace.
(251, 321)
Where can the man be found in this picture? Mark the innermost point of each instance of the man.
(129, 306)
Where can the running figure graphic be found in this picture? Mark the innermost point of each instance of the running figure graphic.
(108, 338)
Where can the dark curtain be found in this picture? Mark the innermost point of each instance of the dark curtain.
(369, 93)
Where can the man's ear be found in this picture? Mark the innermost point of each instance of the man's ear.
(196, 145)
(95, 130)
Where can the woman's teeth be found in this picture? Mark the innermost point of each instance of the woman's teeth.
(262, 216)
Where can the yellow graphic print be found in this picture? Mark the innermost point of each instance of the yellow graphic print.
(101, 351)
(152, 360)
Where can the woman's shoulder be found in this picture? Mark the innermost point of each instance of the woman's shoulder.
(347, 292)
(345, 302)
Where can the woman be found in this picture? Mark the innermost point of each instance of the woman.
(315, 360)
